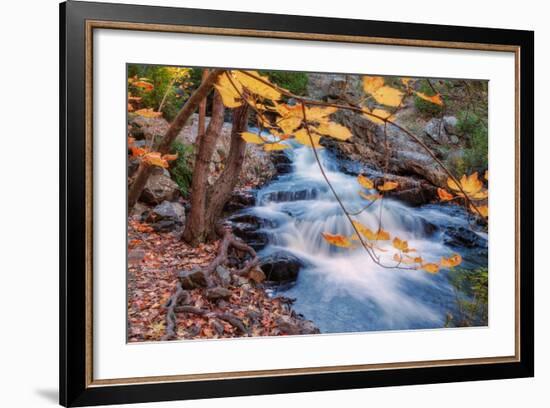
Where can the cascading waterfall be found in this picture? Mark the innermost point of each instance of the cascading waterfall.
(340, 289)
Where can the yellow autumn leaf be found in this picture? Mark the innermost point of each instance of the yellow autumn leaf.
(318, 113)
(337, 240)
(444, 195)
(406, 81)
(377, 115)
(364, 181)
(431, 267)
(334, 130)
(289, 124)
(451, 261)
(370, 197)
(400, 244)
(470, 184)
(269, 147)
(148, 113)
(231, 97)
(388, 96)
(388, 185)
(252, 138)
(436, 99)
(380, 235)
(486, 175)
(481, 209)
(303, 137)
(155, 159)
(372, 83)
(255, 83)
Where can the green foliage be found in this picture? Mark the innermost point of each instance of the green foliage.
(295, 82)
(473, 129)
(471, 287)
(181, 169)
(427, 108)
(168, 83)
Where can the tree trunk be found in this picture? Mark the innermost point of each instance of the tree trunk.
(144, 170)
(194, 232)
(202, 110)
(221, 191)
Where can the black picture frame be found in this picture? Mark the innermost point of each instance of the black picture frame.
(75, 387)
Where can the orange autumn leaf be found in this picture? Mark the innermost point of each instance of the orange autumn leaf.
(431, 267)
(436, 99)
(170, 157)
(130, 108)
(155, 159)
(337, 240)
(400, 244)
(444, 195)
(144, 85)
(451, 262)
(365, 182)
(388, 185)
(379, 235)
(138, 151)
(470, 184)
(382, 235)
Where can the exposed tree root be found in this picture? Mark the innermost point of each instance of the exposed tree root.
(178, 302)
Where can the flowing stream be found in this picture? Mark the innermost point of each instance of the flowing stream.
(343, 290)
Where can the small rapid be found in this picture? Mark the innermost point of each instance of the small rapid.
(341, 289)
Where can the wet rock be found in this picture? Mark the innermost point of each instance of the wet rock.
(415, 196)
(291, 326)
(240, 200)
(281, 267)
(248, 227)
(462, 237)
(435, 129)
(218, 293)
(281, 162)
(167, 216)
(194, 278)
(159, 188)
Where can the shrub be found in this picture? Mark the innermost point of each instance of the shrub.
(471, 127)
(426, 108)
(181, 169)
(471, 287)
(295, 82)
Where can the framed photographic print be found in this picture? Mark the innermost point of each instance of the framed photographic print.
(256, 203)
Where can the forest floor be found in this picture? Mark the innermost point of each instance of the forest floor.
(154, 259)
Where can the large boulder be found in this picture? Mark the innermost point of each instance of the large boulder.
(167, 216)
(159, 187)
(281, 267)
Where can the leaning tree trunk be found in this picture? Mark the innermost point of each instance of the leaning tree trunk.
(220, 192)
(144, 170)
(194, 232)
